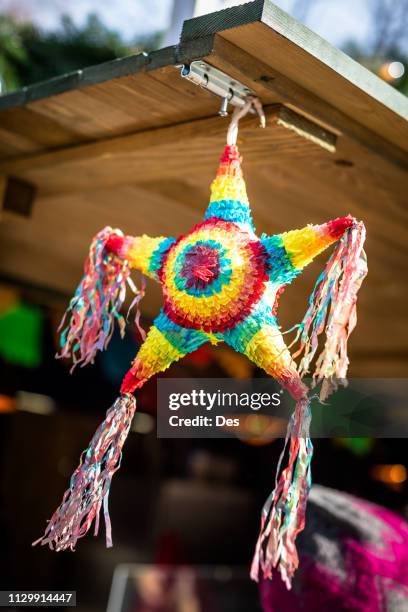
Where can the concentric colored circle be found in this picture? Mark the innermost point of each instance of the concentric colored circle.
(202, 269)
(213, 276)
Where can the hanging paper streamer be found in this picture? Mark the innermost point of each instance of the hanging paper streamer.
(332, 308)
(91, 481)
(97, 302)
(220, 282)
(283, 515)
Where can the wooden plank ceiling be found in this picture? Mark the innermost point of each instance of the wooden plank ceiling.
(133, 145)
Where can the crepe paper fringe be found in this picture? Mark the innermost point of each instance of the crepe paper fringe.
(332, 308)
(91, 481)
(97, 303)
(283, 515)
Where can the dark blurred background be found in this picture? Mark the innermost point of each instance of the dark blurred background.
(173, 501)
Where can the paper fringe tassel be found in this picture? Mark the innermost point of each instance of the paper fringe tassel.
(332, 308)
(90, 483)
(283, 515)
(97, 303)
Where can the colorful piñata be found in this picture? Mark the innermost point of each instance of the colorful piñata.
(220, 283)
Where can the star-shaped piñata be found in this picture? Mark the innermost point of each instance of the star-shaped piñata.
(220, 282)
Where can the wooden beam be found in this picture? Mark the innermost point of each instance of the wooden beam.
(272, 85)
(119, 68)
(67, 169)
(264, 31)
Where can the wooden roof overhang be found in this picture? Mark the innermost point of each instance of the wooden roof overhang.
(131, 144)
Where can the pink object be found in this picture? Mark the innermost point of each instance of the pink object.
(353, 557)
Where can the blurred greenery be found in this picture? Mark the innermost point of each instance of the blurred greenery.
(29, 55)
(374, 61)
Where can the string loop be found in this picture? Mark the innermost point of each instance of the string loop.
(252, 103)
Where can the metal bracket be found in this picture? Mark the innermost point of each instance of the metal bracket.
(218, 83)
